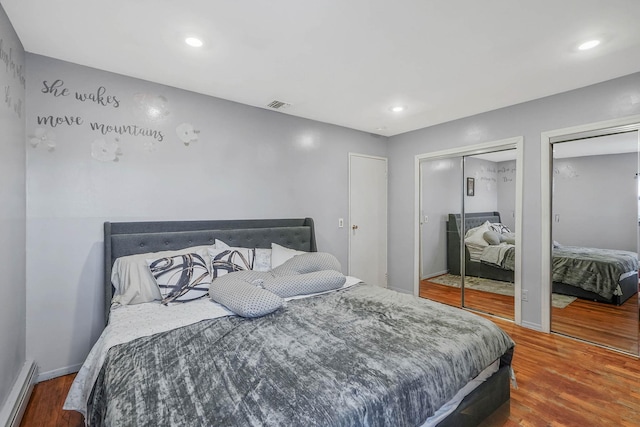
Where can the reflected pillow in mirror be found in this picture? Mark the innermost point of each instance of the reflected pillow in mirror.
(509, 238)
(499, 228)
(492, 237)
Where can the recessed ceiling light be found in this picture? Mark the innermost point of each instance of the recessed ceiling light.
(589, 45)
(398, 108)
(193, 41)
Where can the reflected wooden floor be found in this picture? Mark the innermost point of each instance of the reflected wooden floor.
(607, 324)
(496, 304)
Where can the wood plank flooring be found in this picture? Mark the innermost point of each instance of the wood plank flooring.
(561, 382)
(45, 405)
(606, 324)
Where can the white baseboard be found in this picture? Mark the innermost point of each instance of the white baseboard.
(437, 273)
(533, 326)
(58, 372)
(14, 407)
(402, 291)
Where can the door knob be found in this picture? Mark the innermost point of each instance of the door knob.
(354, 227)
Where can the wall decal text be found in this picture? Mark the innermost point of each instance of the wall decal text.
(16, 72)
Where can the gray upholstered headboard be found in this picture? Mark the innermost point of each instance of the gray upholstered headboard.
(129, 238)
(472, 220)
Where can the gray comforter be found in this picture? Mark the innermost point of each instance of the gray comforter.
(595, 270)
(359, 356)
(592, 269)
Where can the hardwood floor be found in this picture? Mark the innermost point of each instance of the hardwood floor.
(606, 324)
(496, 304)
(45, 405)
(561, 382)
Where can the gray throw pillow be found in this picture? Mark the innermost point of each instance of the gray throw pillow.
(304, 284)
(509, 238)
(308, 263)
(492, 237)
(242, 297)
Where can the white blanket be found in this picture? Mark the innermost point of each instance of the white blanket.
(494, 254)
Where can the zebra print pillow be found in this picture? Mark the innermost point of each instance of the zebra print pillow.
(181, 278)
(499, 228)
(226, 260)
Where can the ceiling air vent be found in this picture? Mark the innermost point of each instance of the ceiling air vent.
(278, 105)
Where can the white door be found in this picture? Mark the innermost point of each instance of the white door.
(368, 218)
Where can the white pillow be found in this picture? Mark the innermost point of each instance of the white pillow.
(475, 242)
(280, 254)
(133, 281)
(262, 260)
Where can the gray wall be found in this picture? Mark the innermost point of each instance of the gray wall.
(595, 199)
(12, 208)
(485, 174)
(615, 98)
(507, 193)
(441, 195)
(246, 163)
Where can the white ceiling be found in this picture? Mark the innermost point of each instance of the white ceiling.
(346, 62)
(609, 144)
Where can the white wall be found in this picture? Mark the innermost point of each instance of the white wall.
(12, 208)
(608, 100)
(247, 163)
(595, 199)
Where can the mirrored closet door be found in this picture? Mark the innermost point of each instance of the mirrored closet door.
(467, 224)
(594, 227)
(441, 192)
(489, 239)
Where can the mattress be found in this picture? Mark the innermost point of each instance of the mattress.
(155, 322)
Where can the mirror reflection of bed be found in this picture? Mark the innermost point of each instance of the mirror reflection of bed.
(592, 286)
(444, 189)
(595, 195)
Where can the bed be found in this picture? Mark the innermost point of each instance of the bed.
(602, 275)
(356, 355)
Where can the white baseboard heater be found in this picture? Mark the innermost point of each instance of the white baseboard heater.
(16, 404)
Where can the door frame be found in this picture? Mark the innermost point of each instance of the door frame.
(547, 139)
(386, 162)
(470, 150)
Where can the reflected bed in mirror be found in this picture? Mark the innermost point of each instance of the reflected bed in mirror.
(602, 275)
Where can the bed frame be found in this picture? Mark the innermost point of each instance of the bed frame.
(129, 238)
(628, 285)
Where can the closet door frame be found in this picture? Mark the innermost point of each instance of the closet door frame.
(547, 139)
(470, 150)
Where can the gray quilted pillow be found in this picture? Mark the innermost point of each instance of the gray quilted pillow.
(304, 284)
(243, 298)
(307, 263)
